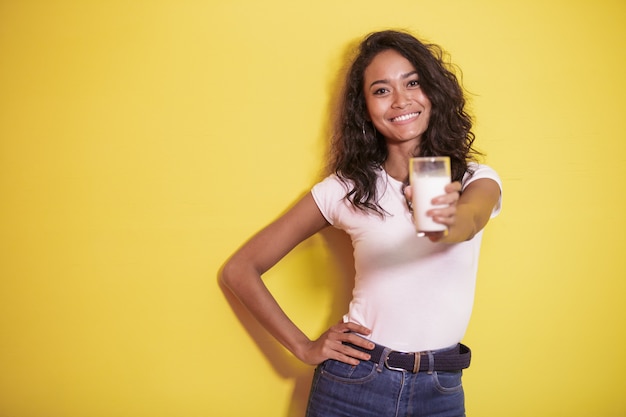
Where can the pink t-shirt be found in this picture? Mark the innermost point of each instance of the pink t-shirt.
(413, 294)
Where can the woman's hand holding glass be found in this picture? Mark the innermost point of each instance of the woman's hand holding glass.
(445, 215)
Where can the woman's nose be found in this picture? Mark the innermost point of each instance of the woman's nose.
(400, 99)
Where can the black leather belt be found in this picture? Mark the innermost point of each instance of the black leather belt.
(454, 359)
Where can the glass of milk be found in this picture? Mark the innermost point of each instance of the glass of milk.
(429, 177)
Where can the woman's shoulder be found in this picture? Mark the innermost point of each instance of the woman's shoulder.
(476, 171)
(330, 184)
(338, 181)
(477, 168)
(330, 196)
(335, 181)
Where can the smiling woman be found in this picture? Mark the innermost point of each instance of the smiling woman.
(365, 361)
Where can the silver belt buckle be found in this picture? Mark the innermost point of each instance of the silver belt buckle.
(393, 368)
(417, 358)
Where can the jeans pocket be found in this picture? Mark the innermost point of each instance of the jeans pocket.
(448, 382)
(352, 374)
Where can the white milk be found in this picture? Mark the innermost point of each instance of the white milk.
(424, 190)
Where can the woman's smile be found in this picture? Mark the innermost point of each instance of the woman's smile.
(405, 117)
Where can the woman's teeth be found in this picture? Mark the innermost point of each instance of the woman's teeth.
(405, 117)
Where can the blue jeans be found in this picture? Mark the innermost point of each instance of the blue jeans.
(372, 390)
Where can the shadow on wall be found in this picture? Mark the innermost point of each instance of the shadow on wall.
(339, 281)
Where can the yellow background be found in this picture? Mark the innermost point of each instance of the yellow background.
(141, 142)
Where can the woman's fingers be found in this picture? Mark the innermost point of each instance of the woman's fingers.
(332, 344)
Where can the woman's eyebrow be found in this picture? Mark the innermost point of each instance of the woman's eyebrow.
(386, 81)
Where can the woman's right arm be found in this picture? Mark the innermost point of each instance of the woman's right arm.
(242, 275)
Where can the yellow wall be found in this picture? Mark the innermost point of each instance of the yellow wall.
(141, 142)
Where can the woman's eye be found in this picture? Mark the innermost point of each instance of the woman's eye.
(414, 83)
(380, 91)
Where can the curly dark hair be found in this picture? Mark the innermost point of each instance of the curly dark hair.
(358, 150)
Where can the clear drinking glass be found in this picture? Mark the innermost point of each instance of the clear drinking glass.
(429, 177)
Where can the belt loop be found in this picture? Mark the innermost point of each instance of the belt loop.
(383, 359)
(431, 362)
(417, 358)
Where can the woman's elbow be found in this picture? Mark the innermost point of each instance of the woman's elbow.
(228, 275)
(237, 274)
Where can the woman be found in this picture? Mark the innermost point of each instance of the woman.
(397, 351)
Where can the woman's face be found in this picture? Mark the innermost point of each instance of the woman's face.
(395, 102)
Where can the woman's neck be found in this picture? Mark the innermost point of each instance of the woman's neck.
(397, 163)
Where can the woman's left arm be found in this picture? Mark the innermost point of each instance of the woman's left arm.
(465, 213)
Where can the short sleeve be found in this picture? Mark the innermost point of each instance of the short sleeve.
(483, 171)
(329, 195)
